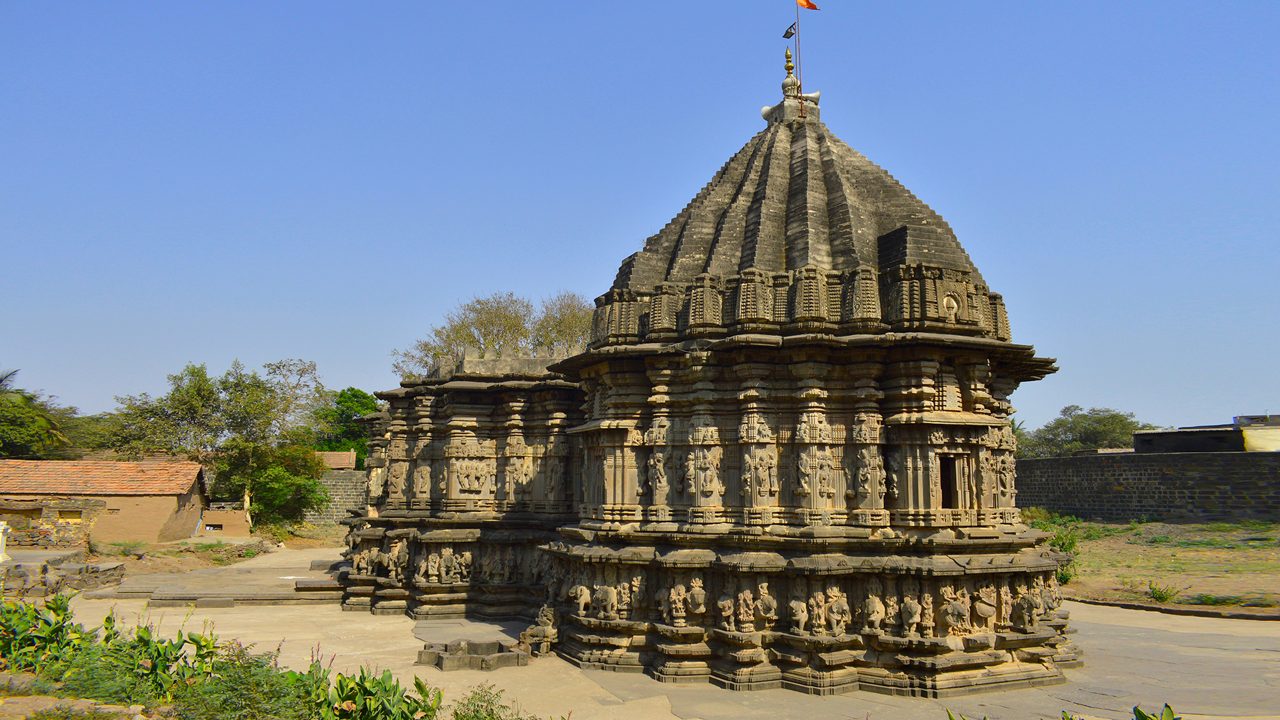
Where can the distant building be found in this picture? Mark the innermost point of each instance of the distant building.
(1246, 433)
(60, 503)
(341, 460)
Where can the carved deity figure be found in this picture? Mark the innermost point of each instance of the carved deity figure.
(697, 599)
(817, 468)
(760, 470)
(839, 614)
(746, 611)
(421, 478)
(554, 465)
(766, 606)
(1005, 471)
(799, 613)
(397, 474)
(873, 610)
(1027, 610)
(984, 609)
(702, 471)
(870, 478)
(956, 613)
(538, 638)
(818, 612)
(449, 570)
(926, 613)
(909, 616)
(657, 472)
(725, 606)
(676, 602)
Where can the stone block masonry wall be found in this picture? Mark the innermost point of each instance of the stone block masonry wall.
(347, 490)
(1157, 486)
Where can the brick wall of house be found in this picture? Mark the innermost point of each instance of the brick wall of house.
(347, 491)
(1157, 486)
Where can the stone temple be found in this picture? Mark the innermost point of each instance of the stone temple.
(784, 460)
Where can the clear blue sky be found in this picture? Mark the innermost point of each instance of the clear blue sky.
(258, 180)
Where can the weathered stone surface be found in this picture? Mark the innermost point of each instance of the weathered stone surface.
(784, 460)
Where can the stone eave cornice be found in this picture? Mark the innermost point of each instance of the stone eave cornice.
(412, 388)
(1015, 356)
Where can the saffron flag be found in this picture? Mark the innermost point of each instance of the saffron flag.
(790, 33)
(807, 4)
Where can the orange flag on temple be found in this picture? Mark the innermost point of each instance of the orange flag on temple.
(807, 4)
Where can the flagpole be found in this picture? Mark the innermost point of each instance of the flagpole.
(799, 64)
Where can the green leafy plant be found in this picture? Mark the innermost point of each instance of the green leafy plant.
(1161, 593)
(379, 697)
(1165, 714)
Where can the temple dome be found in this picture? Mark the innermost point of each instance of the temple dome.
(798, 233)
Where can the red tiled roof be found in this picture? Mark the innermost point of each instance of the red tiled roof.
(96, 477)
(339, 459)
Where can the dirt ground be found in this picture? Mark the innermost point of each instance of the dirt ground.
(1227, 565)
(199, 553)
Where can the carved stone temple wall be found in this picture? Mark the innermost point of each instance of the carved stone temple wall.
(785, 458)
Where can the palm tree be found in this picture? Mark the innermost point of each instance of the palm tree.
(30, 417)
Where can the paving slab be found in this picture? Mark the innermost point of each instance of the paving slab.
(270, 578)
(1205, 668)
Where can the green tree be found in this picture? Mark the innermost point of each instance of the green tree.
(338, 424)
(29, 423)
(502, 324)
(242, 424)
(1077, 430)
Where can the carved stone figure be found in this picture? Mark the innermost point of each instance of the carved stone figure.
(697, 599)
(799, 613)
(955, 614)
(766, 606)
(873, 610)
(1027, 610)
(818, 612)
(450, 570)
(746, 611)
(760, 470)
(605, 602)
(984, 608)
(909, 616)
(538, 638)
(581, 597)
(725, 608)
(839, 614)
(676, 603)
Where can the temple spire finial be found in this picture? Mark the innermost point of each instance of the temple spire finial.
(790, 67)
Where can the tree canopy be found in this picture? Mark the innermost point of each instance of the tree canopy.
(1077, 430)
(338, 422)
(29, 423)
(501, 325)
(243, 424)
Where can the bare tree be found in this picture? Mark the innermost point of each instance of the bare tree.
(501, 325)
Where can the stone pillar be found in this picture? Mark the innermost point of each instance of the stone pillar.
(4, 540)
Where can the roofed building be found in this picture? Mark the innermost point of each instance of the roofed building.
(68, 502)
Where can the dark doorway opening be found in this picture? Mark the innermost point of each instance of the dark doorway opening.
(950, 499)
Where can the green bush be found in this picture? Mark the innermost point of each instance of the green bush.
(1161, 593)
(206, 680)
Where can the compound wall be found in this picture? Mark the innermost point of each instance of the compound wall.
(1166, 486)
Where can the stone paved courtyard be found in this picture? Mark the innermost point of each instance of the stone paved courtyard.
(1205, 668)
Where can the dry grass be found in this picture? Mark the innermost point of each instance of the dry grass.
(1220, 564)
